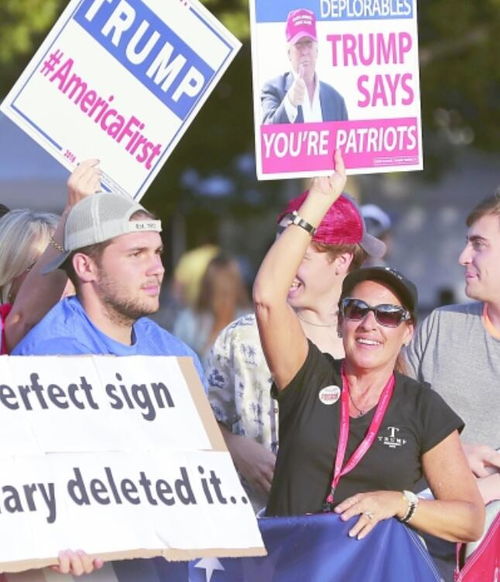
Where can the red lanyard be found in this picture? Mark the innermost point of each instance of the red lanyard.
(365, 444)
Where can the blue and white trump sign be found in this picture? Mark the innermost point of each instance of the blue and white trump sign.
(121, 80)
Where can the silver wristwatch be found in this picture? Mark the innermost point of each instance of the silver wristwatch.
(412, 500)
(294, 218)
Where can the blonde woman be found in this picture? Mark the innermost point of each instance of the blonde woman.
(29, 240)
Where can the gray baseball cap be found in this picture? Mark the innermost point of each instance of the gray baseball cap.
(99, 218)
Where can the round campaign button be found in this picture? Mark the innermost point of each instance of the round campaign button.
(329, 394)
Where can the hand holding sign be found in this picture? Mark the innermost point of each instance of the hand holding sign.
(84, 180)
(76, 563)
(330, 187)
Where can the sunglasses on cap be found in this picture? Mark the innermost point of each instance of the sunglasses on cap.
(386, 314)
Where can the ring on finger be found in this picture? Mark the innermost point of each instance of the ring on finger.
(369, 514)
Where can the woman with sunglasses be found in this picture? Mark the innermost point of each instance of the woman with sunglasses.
(355, 435)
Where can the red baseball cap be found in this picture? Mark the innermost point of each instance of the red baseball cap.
(343, 224)
(299, 24)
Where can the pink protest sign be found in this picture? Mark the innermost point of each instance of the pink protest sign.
(335, 74)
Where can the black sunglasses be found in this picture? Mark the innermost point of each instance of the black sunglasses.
(386, 314)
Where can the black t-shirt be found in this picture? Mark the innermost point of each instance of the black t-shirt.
(416, 420)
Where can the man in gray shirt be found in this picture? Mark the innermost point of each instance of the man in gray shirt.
(457, 348)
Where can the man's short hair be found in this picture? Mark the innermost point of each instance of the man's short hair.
(490, 205)
(359, 255)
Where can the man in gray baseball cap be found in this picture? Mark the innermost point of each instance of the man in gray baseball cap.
(112, 253)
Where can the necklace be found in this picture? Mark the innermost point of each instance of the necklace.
(360, 412)
(316, 324)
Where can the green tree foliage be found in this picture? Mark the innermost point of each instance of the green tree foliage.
(234, 15)
(460, 77)
(22, 24)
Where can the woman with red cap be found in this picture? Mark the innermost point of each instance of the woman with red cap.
(239, 379)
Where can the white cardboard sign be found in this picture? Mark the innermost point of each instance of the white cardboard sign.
(121, 80)
(119, 456)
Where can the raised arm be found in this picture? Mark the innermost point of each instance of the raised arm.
(282, 338)
(38, 293)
